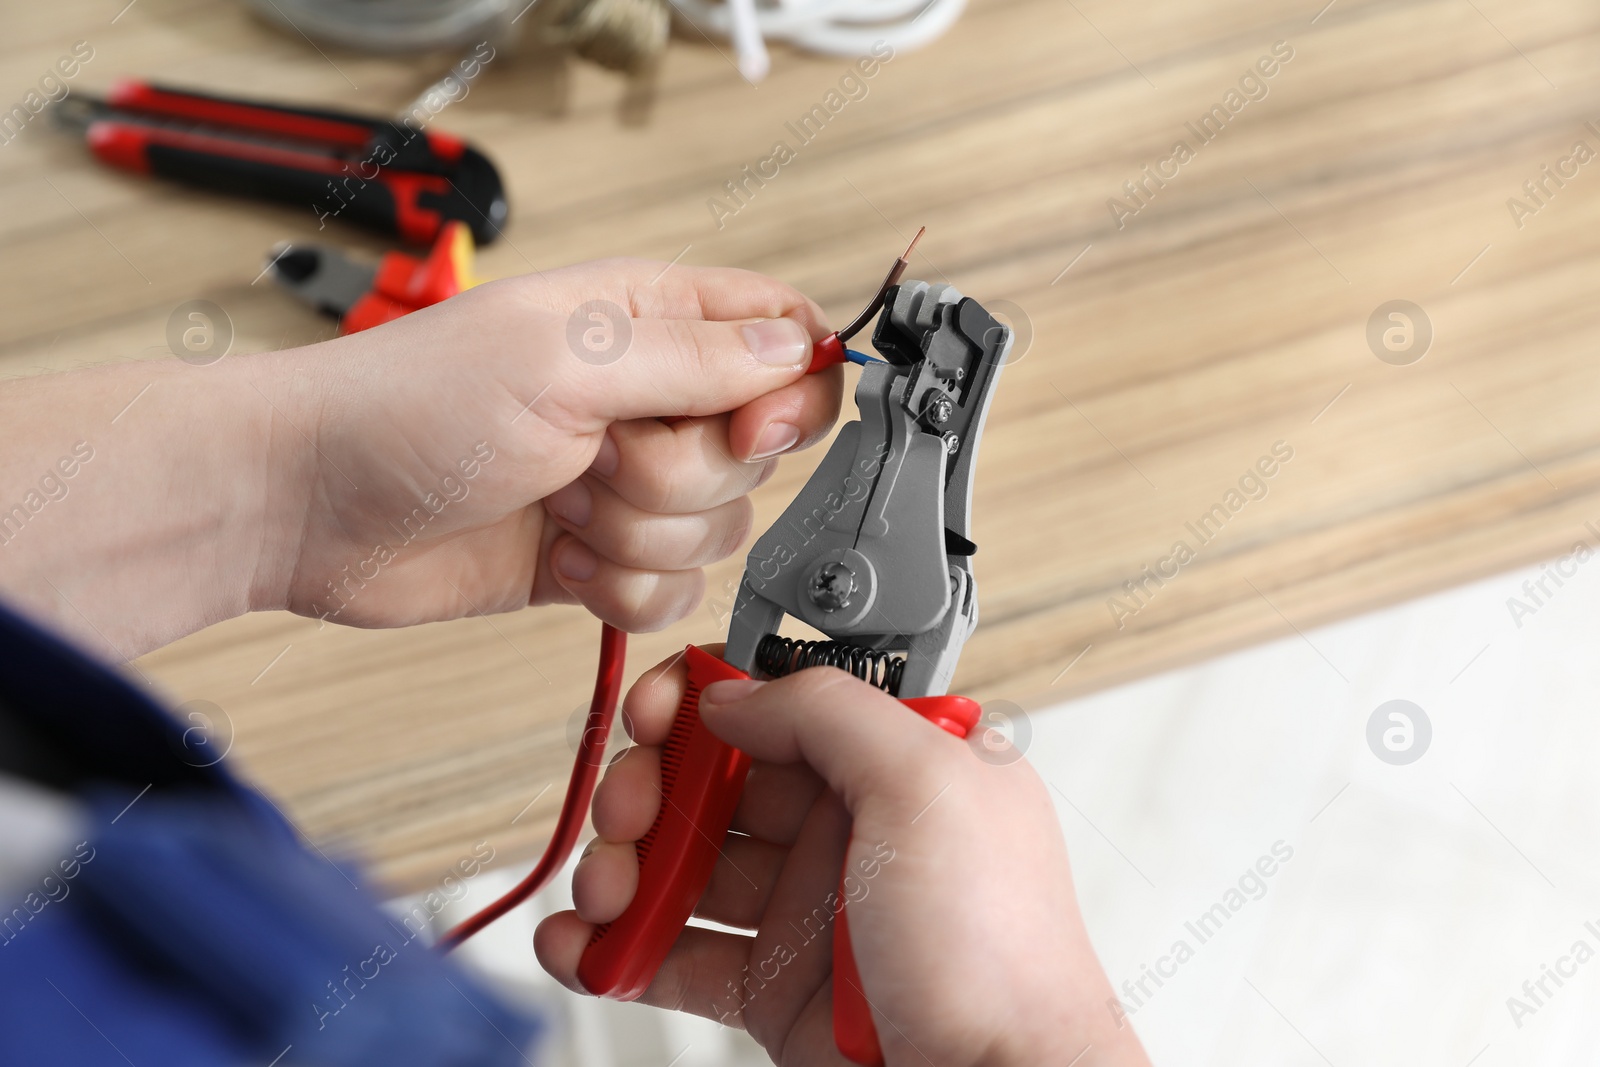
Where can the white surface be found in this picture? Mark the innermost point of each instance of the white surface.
(1418, 899)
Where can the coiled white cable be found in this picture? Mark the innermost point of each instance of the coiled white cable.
(392, 25)
(831, 27)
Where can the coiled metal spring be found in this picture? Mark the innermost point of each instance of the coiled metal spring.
(777, 656)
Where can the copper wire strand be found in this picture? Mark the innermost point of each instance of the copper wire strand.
(890, 280)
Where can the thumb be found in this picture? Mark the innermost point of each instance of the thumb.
(870, 748)
(647, 367)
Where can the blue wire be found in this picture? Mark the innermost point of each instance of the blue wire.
(859, 357)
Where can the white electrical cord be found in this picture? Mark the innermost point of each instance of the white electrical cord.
(748, 44)
(831, 27)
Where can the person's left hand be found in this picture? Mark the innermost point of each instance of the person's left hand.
(963, 919)
(506, 448)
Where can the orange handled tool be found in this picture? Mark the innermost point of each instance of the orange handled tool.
(363, 295)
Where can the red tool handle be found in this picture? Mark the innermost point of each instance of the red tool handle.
(702, 779)
(401, 203)
(853, 1029)
(307, 124)
(337, 132)
(384, 175)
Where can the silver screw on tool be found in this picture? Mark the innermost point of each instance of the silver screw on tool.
(832, 586)
(939, 408)
(952, 442)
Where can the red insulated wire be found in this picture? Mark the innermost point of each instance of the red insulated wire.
(830, 351)
(580, 789)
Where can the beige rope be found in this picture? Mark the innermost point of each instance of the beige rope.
(624, 35)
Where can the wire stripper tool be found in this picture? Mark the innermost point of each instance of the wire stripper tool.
(875, 552)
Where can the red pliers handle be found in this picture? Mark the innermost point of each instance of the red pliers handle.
(854, 1032)
(702, 779)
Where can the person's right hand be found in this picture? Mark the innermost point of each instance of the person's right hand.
(584, 435)
(963, 919)
(496, 456)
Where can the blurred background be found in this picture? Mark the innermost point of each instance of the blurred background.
(1350, 243)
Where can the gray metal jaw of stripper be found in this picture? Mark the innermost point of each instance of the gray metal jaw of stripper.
(875, 550)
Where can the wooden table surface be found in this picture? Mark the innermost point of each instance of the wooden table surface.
(1168, 354)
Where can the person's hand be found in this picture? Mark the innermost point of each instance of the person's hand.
(505, 447)
(963, 919)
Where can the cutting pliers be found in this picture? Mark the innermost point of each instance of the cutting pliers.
(361, 294)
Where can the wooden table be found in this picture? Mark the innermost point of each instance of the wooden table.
(1169, 353)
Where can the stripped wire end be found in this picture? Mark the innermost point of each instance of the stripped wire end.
(831, 350)
(896, 272)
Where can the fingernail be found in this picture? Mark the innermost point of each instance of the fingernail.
(781, 342)
(729, 691)
(619, 755)
(606, 460)
(777, 437)
(572, 502)
(575, 562)
(588, 850)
